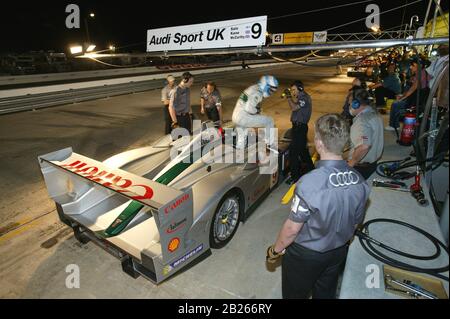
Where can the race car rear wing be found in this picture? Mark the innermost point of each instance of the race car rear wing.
(69, 176)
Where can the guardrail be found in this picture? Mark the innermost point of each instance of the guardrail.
(82, 75)
(47, 99)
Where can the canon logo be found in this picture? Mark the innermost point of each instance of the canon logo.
(176, 204)
(110, 180)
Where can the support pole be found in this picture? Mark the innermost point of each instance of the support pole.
(433, 28)
(427, 14)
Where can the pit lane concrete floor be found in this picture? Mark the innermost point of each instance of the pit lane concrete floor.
(35, 248)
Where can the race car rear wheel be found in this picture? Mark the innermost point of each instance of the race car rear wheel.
(225, 221)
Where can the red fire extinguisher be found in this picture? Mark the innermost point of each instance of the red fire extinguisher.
(408, 130)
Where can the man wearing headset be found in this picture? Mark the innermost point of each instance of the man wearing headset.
(301, 106)
(366, 135)
(357, 83)
(246, 113)
(180, 103)
(328, 204)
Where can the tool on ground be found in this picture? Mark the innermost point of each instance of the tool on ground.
(417, 191)
(411, 288)
(391, 185)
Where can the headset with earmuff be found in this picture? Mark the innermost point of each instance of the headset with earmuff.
(360, 97)
(299, 85)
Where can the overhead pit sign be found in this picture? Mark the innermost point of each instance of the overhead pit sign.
(231, 33)
(299, 37)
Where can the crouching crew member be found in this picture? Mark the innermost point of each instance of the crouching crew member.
(180, 103)
(328, 204)
(366, 134)
(211, 102)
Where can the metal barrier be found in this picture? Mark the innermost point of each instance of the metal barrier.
(10, 80)
(42, 100)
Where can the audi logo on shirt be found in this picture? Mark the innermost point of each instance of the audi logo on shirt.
(343, 179)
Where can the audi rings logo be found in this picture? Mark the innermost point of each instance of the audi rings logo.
(343, 179)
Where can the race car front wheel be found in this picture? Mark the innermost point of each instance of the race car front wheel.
(225, 221)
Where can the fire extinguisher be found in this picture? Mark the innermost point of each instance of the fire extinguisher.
(408, 130)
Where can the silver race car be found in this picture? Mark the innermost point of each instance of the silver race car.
(156, 208)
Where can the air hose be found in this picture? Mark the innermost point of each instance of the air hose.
(394, 169)
(368, 243)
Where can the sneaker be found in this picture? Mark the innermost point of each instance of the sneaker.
(389, 128)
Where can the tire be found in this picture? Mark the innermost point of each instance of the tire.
(80, 236)
(225, 221)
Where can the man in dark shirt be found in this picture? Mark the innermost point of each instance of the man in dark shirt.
(301, 106)
(389, 87)
(328, 204)
(180, 103)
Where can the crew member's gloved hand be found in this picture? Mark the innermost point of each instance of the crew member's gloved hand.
(273, 256)
(174, 125)
(286, 93)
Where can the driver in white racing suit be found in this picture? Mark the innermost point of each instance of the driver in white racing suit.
(246, 113)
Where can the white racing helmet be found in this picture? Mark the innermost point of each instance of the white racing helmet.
(268, 85)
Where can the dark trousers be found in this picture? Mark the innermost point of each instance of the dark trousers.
(185, 121)
(397, 112)
(167, 120)
(380, 93)
(299, 148)
(212, 113)
(366, 169)
(399, 108)
(305, 271)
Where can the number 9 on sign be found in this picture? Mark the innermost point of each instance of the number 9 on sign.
(256, 30)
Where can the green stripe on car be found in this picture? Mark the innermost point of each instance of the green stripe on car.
(128, 214)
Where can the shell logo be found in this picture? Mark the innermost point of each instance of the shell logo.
(173, 244)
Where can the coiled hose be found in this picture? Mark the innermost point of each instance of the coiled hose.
(368, 243)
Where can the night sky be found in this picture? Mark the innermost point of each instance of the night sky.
(40, 25)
